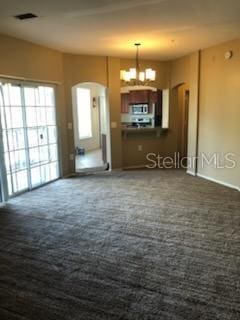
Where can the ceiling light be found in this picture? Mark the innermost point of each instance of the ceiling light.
(136, 76)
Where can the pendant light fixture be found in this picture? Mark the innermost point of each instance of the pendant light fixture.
(135, 76)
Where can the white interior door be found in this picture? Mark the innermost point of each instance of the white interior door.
(29, 130)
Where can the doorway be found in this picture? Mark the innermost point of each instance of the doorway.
(180, 96)
(91, 127)
(29, 136)
(181, 103)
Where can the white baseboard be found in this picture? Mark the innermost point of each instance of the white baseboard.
(191, 173)
(218, 181)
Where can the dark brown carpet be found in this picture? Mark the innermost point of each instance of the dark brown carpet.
(128, 245)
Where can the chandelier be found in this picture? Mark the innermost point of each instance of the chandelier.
(134, 76)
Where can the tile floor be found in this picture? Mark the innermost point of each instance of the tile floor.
(91, 159)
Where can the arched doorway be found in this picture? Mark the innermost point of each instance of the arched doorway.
(91, 127)
(181, 103)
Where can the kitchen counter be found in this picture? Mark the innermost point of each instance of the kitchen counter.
(131, 131)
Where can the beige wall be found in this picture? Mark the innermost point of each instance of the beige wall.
(219, 118)
(214, 108)
(24, 59)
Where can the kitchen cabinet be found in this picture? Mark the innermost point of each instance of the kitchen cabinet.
(153, 97)
(125, 103)
(158, 108)
(139, 96)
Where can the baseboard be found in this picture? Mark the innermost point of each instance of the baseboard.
(115, 170)
(142, 166)
(188, 172)
(218, 181)
(191, 173)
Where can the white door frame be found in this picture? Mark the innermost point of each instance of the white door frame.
(3, 177)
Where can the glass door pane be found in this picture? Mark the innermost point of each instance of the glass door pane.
(41, 134)
(29, 136)
(14, 144)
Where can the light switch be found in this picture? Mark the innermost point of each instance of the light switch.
(70, 125)
(113, 125)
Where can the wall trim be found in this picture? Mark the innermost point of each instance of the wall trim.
(115, 170)
(141, 166)
(192, 173)
(218, 181)
(24, 79)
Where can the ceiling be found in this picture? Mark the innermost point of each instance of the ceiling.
(166, 28)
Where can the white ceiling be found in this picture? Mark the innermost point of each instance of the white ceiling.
(166, 28)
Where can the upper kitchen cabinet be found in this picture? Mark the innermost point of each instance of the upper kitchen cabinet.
(125, 103)
(139, 96)
(153, 97)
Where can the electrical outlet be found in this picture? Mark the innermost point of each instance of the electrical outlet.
(70, 125)
(71, 157)
(139, 147)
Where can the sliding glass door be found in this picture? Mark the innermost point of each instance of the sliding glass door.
(41, 132)
(29, 130)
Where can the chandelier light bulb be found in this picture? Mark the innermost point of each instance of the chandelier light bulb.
(133, 73)
(127, 76)
(141, 76)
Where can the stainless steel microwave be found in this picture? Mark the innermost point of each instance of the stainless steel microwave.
(139, 108)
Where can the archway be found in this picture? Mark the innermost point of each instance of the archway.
(91, 121)
(180, 94)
